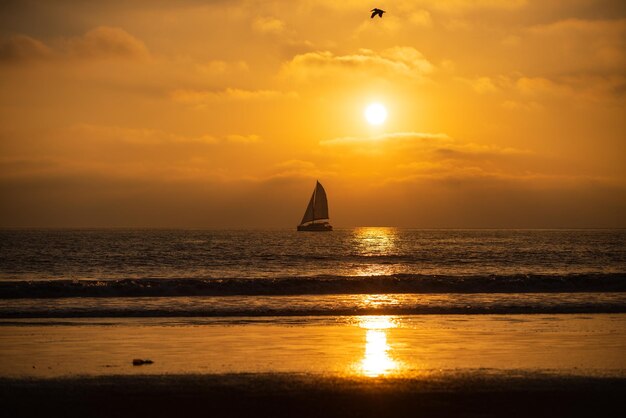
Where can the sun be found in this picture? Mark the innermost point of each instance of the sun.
(375, 114)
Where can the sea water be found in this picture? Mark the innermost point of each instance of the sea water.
(196, 273)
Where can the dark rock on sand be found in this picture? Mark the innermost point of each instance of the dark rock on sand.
(140, 362)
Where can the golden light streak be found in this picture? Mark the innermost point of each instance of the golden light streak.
(375, 241)
(376, 360)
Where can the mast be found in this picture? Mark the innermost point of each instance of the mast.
(313, 199)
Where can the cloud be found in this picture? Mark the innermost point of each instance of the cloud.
(468, 165)
(16, 167)
(486, 178)
(20, 48)
(201, 97)
(295, 166)
(417, 155)
(434, 146)
(136, 136)
(456, 6)
(153, 136)
(520, 105)
(449, 6)
(482, 85)
(296, 169)
(570, 26)
(471, 151)
(397, 61)
(421, 18)
(220, 67)
(397, 138)
(576, 45)
(268, 25)
(525, 92)
(118, 152)
(98, 43)
(585, 87)
(105, 42)
(243, 139)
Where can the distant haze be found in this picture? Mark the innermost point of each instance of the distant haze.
(224, 113)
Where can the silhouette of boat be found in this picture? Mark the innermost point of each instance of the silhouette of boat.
(317, 210)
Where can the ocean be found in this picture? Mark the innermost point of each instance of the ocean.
(65, 273)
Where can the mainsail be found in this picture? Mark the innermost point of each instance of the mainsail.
(318, 206)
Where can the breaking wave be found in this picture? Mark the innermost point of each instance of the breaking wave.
(315, 305)
(317, 285)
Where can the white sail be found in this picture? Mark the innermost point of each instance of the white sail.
(318, 206)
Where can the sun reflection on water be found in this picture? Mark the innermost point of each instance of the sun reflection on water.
(377, 361)
(377, 243)
(374, 242)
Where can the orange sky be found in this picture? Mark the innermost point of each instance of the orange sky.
(215, 113)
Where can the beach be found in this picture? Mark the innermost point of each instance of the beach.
(416, 365)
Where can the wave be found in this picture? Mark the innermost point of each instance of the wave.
(618, 309)
(318, 285)
(315, 305)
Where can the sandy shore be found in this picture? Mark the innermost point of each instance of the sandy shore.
(465, 394)
(374, 366)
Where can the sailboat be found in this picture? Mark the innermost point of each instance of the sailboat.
(317, 210)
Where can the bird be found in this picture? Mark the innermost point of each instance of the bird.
(378, 12)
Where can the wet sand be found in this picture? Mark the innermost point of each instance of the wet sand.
(430, 365)
(356, 345)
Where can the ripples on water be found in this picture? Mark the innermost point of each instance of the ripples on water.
(119, 254)
(196, 273)
(314, 305)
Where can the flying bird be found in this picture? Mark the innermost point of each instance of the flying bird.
(378, 12)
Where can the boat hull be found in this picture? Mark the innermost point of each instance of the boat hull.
(315, 227)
